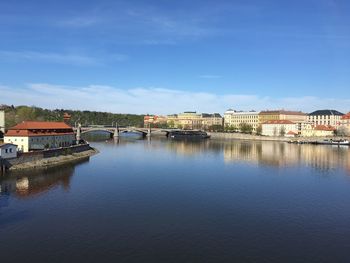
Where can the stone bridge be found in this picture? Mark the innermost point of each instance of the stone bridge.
(116, 131)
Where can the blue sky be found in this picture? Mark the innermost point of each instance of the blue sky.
(170, 56)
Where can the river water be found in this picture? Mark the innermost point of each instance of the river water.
(180, 201)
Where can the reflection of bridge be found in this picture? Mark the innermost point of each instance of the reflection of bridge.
(116, 131)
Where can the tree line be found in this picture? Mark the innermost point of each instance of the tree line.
(17, 114)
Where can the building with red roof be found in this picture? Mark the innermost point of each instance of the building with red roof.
(279, 128)
(38, 135)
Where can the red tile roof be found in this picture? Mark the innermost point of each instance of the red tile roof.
(40, 128)
(46, 125)
(278, 122)
(324, 128)
(291, 133)
(346, 116)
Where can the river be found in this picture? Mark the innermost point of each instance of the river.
(180, 201)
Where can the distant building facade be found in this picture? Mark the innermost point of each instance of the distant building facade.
(294, 116)
(325, 117)
(2, 121)
(194, 120)
(237, 118)
(34, 135)
(154, 120)
(280, 128)
(312, 130)
(344, 128)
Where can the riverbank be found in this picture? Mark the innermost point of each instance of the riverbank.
(242, 136)
(50, 158)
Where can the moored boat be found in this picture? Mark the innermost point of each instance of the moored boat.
(334, 142)
(188, 134)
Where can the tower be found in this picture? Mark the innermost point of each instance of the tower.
(2, 121)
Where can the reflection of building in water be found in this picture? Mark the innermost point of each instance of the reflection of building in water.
(270, 153)
(283, 154)
(38, 182)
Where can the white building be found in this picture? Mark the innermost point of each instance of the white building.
(2, 121)
(8, 151)
(325, 117)
(280, 128)
(35, 135)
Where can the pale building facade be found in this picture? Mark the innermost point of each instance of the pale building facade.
(32, 135)
(2, 121)
(325, 117)
(228, 117)
(279, 128)
(194, 120)
(345, 124)
(311, 130)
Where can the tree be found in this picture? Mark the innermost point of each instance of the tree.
(282, 131)
(342, 131)
(246, 128)
(275, 131)
(259, 130)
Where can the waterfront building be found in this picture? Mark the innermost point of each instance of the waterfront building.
(35, 135)
(325, 117)
(8, 151)
(312, 130)
(345, 124)
(154, 120)
(280, 128)
(228, 117)
(237, 118)
(294, 116)
(210, 120)
(194, 120)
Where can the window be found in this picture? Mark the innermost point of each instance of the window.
(10, 150)
(6, 150)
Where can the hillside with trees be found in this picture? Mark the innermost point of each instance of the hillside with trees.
(17, 114)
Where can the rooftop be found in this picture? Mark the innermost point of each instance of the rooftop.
(285, 112)
(346, 116)
(324, 128)
(326, 112)
(40, 125)
(279, 122)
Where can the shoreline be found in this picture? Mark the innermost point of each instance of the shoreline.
(249, 137)
(56, 160)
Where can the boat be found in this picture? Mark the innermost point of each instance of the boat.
(188, 134)
(334, 142)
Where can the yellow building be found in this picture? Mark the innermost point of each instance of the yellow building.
(236, 118)
(294, 116)
(311, 130)
(193, 120)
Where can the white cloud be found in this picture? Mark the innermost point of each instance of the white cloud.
(60, 58)
(154, 100)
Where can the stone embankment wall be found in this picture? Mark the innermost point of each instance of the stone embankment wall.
(44, 156)
(242, 136)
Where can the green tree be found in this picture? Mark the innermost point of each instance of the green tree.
(246, 128)
(259, 130)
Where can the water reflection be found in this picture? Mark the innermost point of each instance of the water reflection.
(277, 154)
(32, 183)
